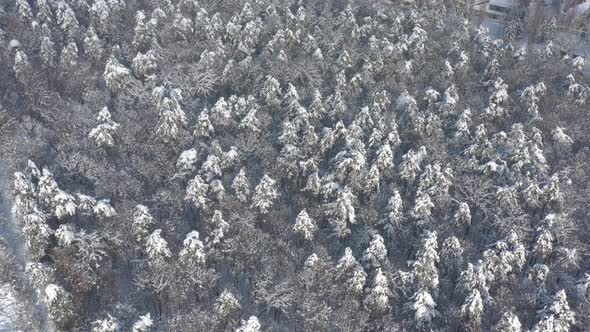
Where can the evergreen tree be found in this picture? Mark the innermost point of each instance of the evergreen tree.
(116, 75)
(376, 253)
(472, 310)
(142, 221)
(508, 323)
(264, 194)
(378, 297)
(156, 247)
(555, 316)
(143, 324)
(60, 307)
(103, 133)
(424, 308)
(250, 325)
(304, 225)
(192, 253)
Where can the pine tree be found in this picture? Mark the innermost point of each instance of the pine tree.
(44, 12)
(211, 168)
(144, 64)
(24, 11)
(472, 310)
(423, 207)
(156, 247)
(250, 122)
(270, 92)
(251, 325)
(226, 304)
(498, 99)
(196, 192)
(376, 253)
(241, 186)
(384, 159)
(186, 162)
(313, 184)
(425, 271)
(141, 37)
(203, 127)
(451, 254)
(342, 212)
(22, 66)
(40, 275)
(65, 235)
(264, 194)
(220, 226)
(304, 225)
(508, 323)
(411, 164)
(60, 307)
(66, 20)
(562, 139)
(372, 180)
(351, 273)
(183, 26)
(543, 246)
(143, 324)
(103, 209)
(37, 234)
(116, 75)
(93, 47)
(193, 251)
(394, 214)
(221, 113)
(47, 52)
(463, 215)
(142, 221)
(555, 316)
(424, 308)
(103, 133)
(24, 195)
(63, 204)
(106, 324)
(378, 297)
(47, 187)
(462, 125)
(100, 16)
(172, 118)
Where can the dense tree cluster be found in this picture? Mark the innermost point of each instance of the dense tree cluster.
(309, 165)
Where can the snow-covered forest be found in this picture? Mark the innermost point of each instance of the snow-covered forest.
(293, 165)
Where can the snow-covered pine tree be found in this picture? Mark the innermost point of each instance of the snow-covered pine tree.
(143, 324)
(351, 273)
(250, 325)
(378, 296)
(105, 324)
(472, 310)
(376, 253)
(556, 315)
(226, 304)
(117, 76)
(156, 247)
(172, 118)
(193, 252)
(509, 322)
(423, 306)
(103, 133)
(60, 307)
(304, 225)
(264, 194)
